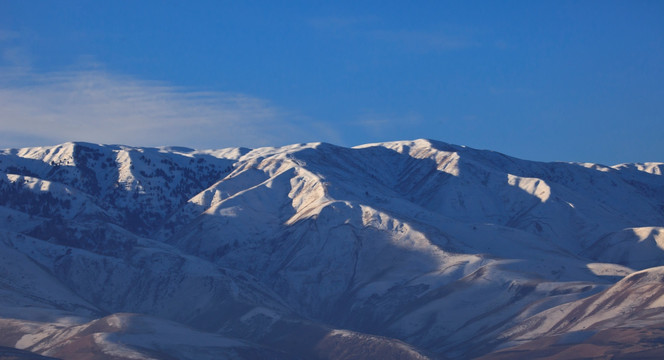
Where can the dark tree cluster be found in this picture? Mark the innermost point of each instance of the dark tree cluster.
(14, 195)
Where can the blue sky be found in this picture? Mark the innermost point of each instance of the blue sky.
(541, 80)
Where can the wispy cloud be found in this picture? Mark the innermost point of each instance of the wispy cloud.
(380, 126)
(12, 51)
(342, 23)
(424, 40)
(6, 35)
(419, 40)
(97, 106)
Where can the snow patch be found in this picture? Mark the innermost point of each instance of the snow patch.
(608, 269)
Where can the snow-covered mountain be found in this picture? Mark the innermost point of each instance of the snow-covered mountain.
(410, 249)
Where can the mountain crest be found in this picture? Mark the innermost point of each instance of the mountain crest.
(406, 247)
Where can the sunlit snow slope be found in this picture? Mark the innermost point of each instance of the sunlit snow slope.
(410, 249)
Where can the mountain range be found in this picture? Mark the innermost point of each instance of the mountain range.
(398, 250)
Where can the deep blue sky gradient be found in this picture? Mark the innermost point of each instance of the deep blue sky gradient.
(542, 80)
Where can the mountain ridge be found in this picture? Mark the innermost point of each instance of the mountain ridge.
(442, 247)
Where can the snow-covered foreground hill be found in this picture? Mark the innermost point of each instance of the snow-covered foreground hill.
(410, 250)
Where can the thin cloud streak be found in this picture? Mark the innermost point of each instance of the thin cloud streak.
(378, 126)
(97, 106)
(6, 35)
(422, 40)
(342, 24)
(425, 40)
